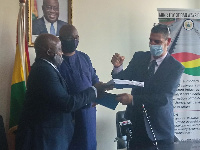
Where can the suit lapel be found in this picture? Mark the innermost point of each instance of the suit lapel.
(144, 64)
(58, 28)
(163, 69)
(64, 84)
(62, 81)
(147, 61)
(43, 26)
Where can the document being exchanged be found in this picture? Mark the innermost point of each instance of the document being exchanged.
(120, 84)
(109, 100)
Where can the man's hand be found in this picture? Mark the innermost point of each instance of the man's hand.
(124, 98)
(94, 104)
(102, 87)
(117, 60)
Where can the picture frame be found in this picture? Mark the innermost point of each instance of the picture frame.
(37, 18)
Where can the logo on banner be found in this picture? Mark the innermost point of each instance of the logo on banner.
(188, 24)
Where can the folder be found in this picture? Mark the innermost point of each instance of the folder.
(108, 100)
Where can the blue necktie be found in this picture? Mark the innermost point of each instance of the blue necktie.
(52, 29)
(151, 70)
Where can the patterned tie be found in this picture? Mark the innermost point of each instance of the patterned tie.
(52, 29)
(151, 70)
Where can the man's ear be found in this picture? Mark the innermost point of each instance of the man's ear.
(51, 53)
(48, 52)
(169, 41)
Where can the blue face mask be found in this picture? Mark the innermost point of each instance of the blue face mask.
(156, 50)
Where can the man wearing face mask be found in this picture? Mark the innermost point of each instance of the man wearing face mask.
(79, 74)
(46, 119)
(150, 108)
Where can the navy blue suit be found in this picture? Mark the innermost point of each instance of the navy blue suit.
(156, 95)
(79, 74)
(46, 120)
(39, 27)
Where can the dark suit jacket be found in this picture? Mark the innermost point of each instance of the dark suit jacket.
(3, 139)
(39, 27)
(46, 121)
(157, 94)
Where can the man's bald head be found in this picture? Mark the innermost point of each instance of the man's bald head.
(45, 42)
(67, 31)
(69, 39)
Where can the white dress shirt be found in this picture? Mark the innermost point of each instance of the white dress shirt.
(48, 25)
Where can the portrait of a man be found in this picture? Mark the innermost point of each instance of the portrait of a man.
(49, 22)
(48, 16)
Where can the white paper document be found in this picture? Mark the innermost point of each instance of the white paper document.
(120, 84)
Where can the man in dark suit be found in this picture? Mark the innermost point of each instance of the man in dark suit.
(46, 120)
(49, 23)
(3, 139)
(150, 108)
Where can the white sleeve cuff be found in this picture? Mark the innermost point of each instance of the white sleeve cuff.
(95, 90)
(116, 70)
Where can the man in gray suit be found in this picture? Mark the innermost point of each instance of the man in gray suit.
(150, 108)
(49, 23)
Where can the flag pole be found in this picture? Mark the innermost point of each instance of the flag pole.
(22, 41)
(19, 71)
(13, 123)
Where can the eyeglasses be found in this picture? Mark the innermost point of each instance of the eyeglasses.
(49, 8)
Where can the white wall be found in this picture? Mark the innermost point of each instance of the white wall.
(109, 26)
(8, 24)
(105, 27)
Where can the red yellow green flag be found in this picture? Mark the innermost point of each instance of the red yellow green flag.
(34, 9)
(20, 71)
(190, 61)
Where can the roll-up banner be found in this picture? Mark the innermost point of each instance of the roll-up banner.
(184, 26)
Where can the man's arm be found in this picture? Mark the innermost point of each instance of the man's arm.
(128, 73)
(56, 95)
(160, 92)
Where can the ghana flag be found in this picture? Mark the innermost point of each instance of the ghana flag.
(34, 9)
(190, 61)
(20, 71)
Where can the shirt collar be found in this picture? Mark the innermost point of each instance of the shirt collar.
(159, 60)
(48, 24)
(50, 64)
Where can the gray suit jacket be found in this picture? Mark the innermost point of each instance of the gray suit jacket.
(39, 27)
(157, 94)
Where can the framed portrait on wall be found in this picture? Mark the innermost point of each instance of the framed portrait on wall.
(47, 16)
